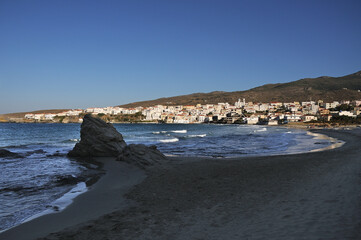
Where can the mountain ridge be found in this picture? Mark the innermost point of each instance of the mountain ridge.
(324, 88)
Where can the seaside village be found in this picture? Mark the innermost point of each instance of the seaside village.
(241, 112)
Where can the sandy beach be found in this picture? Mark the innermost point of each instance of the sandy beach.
(105, 196)
(302, 196)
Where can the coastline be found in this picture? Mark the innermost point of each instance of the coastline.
(64, 201)
(166, 185)
(104, 196)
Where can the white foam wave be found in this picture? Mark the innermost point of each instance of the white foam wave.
(199, 135)
(74, 140)
(180, 131)
(261, 130)
(61, 203)
(174, 131)
(169, 140)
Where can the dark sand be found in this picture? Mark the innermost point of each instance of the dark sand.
(104, 197)
(303, 196)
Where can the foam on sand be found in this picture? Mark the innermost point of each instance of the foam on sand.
(61, 203)
(100, 199)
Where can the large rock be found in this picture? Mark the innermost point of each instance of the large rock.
(141, 155)
(98, 139)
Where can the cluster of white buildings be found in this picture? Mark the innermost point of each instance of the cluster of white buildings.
(243, 112)
(113, 110)
(51, 116)
(249, 112)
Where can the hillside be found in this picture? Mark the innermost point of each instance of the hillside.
(6, 117)
(324, 88)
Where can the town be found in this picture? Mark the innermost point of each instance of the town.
(242, 112)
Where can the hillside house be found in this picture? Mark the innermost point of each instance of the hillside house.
(252, 120)
(308, 118)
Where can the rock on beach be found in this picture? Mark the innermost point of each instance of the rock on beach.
(141, 155)
(101, 139)
(98, 139)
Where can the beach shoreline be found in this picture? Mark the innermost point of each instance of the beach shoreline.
(65, 200)
(103, 196)
(156, 188)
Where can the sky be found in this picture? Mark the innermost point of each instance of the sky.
(79, 54)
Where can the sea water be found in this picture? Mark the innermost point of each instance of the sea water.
(31, 184)
(220, 140)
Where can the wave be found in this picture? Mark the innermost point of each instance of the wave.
(18, 189)
(179, 131)
(169, 140)
(71, 140)
(261, 130)
(199, 135)
(173, 131)
(28, 145)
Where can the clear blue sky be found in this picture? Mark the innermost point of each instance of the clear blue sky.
(78, 54)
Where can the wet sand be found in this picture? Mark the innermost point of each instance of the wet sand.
(302, 196)
(108, 193)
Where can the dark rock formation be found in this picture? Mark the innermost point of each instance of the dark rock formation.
(7, 154)
(98, 139)
(141, 155)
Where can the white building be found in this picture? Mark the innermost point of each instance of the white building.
(347, 113)
(252, 120)
(29, 116)
(308, 118)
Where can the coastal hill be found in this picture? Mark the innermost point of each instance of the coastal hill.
(6, 117)
(325, 88)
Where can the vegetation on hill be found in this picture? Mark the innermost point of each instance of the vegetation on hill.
(137, 117)
(327, 89)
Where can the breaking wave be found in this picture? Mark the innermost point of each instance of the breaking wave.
(169, 140)
(180, 131)
(199, 135)
(173, 131)
(261, 130)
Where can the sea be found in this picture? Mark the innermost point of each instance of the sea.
(42, 179)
